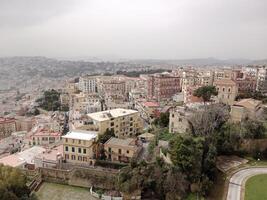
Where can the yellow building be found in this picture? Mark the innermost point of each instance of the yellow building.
(246, 108)
(227, 91)
(122, 150)
(79, 147)
(124, 122)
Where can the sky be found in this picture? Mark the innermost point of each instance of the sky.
(134, 29)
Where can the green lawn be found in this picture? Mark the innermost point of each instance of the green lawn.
(256, 188)
(52, 191)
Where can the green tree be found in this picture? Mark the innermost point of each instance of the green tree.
(206, 92)
(162, 120)
(254, 129)
(13, 184)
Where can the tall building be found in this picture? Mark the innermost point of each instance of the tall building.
(262, 79)
(163, 86)
(124, 122)
(88, 84)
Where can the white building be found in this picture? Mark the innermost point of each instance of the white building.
(88, 84)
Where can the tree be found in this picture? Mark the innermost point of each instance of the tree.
(205, 92)
(13, 184)
(186, 154)
(254, 129)
(162, 120)
(205, 122)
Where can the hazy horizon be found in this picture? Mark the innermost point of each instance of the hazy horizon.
(141, 29)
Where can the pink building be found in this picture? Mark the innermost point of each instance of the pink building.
(44, 138)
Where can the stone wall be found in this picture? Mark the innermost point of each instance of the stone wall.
(82, 177)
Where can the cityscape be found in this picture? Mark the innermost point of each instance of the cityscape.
(152, 124)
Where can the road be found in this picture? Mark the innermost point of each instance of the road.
(235, 185)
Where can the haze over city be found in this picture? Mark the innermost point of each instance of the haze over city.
(133, 99)
(140, 29)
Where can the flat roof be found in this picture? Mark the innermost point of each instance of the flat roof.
(121, 142)
(81, 135)
(107, 114)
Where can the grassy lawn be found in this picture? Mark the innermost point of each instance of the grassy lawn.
(256, 188)
(52, 191)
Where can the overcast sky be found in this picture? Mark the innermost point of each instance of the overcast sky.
(161, 29)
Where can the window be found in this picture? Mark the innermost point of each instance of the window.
(127, 151)
(84, 151)
(223, 89)
(80, 141)
(84, 159)
(109, 150)
(131, 119)
(73, 149)
(72, 141)
(66, 156)
(229, 89)
(79, 150)
(172, 115)
(66, 148)
(119, 151)
(80, 158)
(112, 124)
(180, 119)
(73, 157)
(66, 140)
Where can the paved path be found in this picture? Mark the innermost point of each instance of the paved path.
(236, 181)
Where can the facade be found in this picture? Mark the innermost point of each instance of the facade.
(24, 124)
(162, 86)
(179, 120)
(7, 126)
(227, 91)
(79, 147)
(51, 158)
(44, 138)
(122, 150)
(246, 108)
(88, 84)
(262, 79)
(124, 122)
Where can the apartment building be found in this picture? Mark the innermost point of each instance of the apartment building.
(79, 147)
(44, 138)
(24, 123)
(86, 103)
(162, 86)
(7, 126)
(262, 79)
(88, 84)
(227, 91)
(122, 150)
(124, 122)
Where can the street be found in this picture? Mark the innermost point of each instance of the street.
(235, 186)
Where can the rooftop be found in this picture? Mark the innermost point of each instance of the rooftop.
(224, 82)
(248, 103)
(81, 135)
(151, 104)
(106, 115)
(121, 142)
